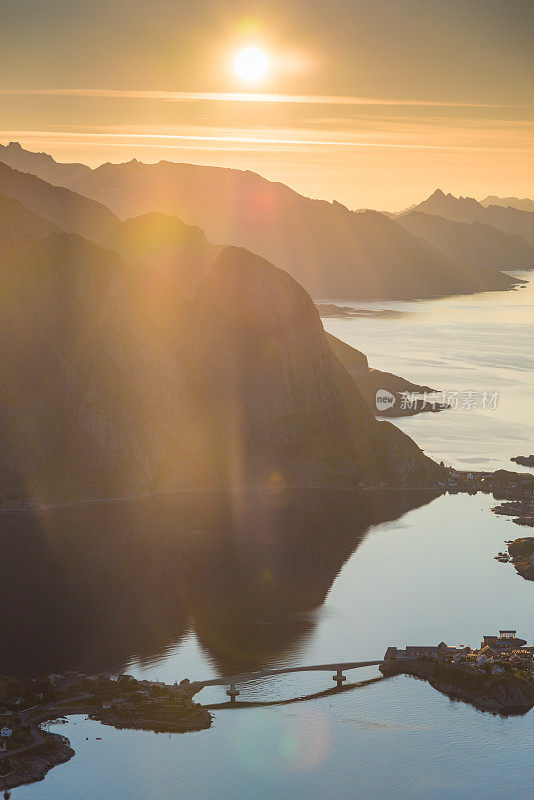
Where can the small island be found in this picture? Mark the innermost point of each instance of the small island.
(497, 678)
(525, 461)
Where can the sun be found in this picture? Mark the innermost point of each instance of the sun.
(251, 64)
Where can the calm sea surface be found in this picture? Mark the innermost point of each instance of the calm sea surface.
(199, 586)
(473, 344)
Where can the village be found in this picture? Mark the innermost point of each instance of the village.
(495, 652)
(496, 677)
(28, 752)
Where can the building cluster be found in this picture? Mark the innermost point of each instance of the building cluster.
(502, 483)
(496, 651)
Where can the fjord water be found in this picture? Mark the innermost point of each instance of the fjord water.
(198, 586)
(478, 343)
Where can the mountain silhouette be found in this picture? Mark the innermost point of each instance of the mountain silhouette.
(180, 252)
(467, 209)
(524, 204)
(66, 209)
(332, 251)
(474, 243)
(115, 383)
(41, 164)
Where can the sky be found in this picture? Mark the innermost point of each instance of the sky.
(374, 103)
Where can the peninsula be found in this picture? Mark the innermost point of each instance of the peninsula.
(525, 461)
(27, 752)
(497, 678)
(521, 553)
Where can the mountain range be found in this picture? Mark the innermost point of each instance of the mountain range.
(68, 210)
(523, 204)
(332, 251)
(467, 209)
(146, 348)
(182, 255)
(475, 243)
(114, 382)
(41, 164)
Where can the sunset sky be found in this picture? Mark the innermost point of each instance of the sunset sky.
(371, 102)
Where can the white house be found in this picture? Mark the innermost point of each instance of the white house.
(6, 732)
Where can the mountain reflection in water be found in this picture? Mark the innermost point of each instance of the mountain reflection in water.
(91, 587)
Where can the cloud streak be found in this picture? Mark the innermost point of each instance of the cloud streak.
(107, 137)
(246, 97)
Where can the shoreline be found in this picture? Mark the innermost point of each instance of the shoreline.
(522, 557)
(496, 699)
(214, 491)
(449, 485)
(53, 750)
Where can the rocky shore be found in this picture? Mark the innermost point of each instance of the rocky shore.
(33, 766)
(521, 511)
(122, 702)
(197, 719)
(501, 695)
(525, 461)
(522, 556)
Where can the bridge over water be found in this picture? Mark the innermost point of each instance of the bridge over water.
(232, 681)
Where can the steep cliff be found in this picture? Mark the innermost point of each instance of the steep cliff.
(64, 208)
(91, 402)
(285, 408)
(178, 251)
(114, 383)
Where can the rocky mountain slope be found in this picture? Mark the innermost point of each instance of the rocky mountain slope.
(178, 251)
(41, 164)
(64, 208)
(332, 251)
(523, 204)
(369, 381)
(467, 209)
(113, 383)
(262, 363)
(91, 400)
(474, 243)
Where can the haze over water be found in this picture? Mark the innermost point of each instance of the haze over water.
(350, 579)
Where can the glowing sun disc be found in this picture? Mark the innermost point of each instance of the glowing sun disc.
(251, 64)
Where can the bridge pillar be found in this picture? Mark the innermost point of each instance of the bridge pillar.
(339, 678)
(232, 693)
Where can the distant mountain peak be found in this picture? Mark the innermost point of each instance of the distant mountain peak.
(42, 165)
(502, 216)
(438, 193)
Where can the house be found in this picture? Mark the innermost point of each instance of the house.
(442, 651)
(489, 652)
(6, 732)
(506, 641)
